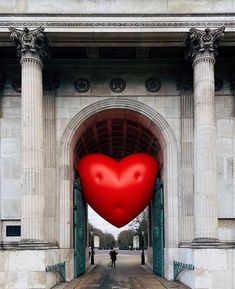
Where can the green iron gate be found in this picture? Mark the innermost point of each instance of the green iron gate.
(79, 223)
(158, 229)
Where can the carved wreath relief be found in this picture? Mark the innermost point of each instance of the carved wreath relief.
(153, 84)
(117, 85)
(82, 85)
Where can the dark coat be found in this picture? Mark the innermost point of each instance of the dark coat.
(113, 255)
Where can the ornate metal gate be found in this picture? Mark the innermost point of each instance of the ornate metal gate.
(158, 229)
(79, 223)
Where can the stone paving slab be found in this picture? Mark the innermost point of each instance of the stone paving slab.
(128, 274)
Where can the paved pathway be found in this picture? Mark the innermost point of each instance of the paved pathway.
(127, 274)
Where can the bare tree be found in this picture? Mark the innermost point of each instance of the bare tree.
(125, 239)
(107, 240)
(140, 225)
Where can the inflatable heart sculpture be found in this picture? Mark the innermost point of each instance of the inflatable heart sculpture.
(118, 190)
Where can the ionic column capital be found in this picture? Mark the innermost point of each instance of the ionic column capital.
(204, 44)
(31, 44)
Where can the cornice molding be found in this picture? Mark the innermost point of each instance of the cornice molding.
(132, 20)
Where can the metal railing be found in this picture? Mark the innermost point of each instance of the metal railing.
(180, 267)
(59, 268)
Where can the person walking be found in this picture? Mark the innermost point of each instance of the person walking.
(113, 255)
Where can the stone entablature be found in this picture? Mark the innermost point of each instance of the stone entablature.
(128, 28)
(174, 22)
(69, 79)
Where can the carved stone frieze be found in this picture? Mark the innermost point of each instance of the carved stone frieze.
(30, 42)
(104, 24)
(204, 42)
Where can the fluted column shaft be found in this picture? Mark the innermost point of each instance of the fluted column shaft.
(204, 47)
(51, 82)
(205, 193)
(32, 150)
(1, 89)
(30, 44)
(187, 211)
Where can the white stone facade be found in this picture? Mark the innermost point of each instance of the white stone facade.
(41, 125)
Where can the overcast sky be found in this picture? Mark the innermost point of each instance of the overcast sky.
(103, 225)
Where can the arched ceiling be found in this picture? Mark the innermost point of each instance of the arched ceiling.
(117, 137)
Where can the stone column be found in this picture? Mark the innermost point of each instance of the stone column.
(185, 87)
(203, 49)
(31, 46)
(50, 83)
(2, 78)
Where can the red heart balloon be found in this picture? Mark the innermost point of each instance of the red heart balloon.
(118, 190)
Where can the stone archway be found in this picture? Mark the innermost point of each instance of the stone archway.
(158, 126)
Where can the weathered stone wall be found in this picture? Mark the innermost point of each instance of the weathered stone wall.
(211, 268)
(11, 158)
(175, 107)
(167, 101)
(118, 6)
(26, 269)
(69, 102)
(225, 114)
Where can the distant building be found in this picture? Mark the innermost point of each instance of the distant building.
(96, 241)
(136, 242)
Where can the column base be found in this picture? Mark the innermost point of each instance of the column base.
(36, 245)
(205, 242)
